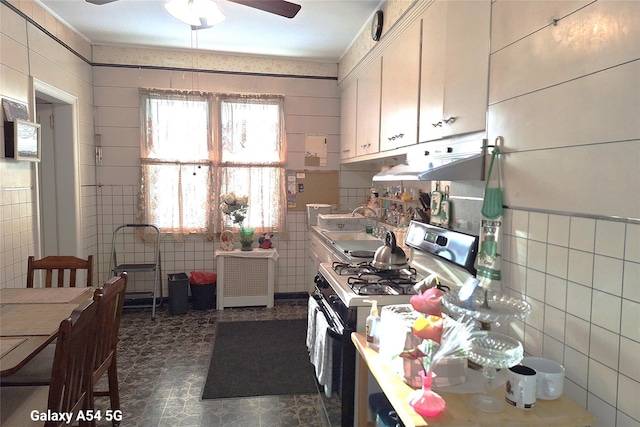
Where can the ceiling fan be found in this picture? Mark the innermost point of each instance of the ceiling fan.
(277, 7)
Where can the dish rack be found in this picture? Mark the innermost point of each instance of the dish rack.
(341, 222)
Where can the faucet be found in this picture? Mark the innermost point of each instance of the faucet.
(367, 208)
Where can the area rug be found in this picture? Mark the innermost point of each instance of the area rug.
(260, 358)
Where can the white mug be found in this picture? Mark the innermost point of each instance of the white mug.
(521, 387)
(550, 377)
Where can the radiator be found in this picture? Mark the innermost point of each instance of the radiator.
(244, 281)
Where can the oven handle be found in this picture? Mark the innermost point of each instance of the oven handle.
(335, 330)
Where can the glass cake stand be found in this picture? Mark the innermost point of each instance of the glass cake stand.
(487, 307)
(492, 351)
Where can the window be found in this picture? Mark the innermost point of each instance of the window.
(185, 167)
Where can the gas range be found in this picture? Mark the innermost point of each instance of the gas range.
(355, 289)
(343, 293)
(365, 279)
(447, 253)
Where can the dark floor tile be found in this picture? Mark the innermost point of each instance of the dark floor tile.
(163, 365)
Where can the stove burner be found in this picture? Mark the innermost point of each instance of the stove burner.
(368, 283)
(365, 279)
(346, 269)
(377, 289)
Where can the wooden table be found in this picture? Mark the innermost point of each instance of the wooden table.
(29, 321)
(562, 412)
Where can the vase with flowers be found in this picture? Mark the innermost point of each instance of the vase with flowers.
(235, 207)
(440, 337)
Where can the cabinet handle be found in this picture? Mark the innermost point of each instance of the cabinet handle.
(435, 125)
(394, 137)
(450, 120)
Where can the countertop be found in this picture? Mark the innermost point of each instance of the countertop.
(562, 412)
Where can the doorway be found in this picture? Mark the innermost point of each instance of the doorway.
(58, 177)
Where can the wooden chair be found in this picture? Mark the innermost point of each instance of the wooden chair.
(60, 264)
(110, 300)
(71, 376)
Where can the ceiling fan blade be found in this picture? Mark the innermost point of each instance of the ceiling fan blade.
(278, 7)
(100, 2)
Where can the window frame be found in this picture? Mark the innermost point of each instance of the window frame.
(219, 181)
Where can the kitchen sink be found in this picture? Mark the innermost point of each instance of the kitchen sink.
(347, 236)
(353, 241)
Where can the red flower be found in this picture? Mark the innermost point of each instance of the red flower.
(429, 302)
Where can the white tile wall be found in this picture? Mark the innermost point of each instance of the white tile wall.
(108, 195)
(585, 304)
(26, 52)
(16, 235)
(312, 107)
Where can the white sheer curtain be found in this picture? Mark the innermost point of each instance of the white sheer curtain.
(184, 169)
(177, 190)
(252, 155)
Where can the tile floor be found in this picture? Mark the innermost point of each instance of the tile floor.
(162, 368)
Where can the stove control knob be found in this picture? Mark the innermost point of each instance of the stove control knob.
(320, 281)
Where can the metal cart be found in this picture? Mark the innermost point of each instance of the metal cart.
(124, 242)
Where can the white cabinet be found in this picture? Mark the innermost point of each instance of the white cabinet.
(434, 26)
(455, 67)
(348, 103)
(400, 90)
(319, 252)
(368, 110)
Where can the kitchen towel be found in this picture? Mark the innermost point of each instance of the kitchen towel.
(311, 322)
(320, 346)
(323, 354)
(489, 256)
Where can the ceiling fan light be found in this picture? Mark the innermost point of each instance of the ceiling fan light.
(195, 12)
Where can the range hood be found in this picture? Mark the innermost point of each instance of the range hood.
(452, 162)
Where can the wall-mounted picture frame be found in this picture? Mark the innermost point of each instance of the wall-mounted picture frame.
(22, 140)
(14, 110)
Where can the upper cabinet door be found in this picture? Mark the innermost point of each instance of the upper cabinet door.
(400, 90)
(434, 39)
(348, 107)
(368, 110)
(455, 68)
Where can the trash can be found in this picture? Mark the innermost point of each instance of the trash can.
(178, 293)
(203, 290)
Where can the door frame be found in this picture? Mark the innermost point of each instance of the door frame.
(66, 232)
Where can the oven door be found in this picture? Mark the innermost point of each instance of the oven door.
(341, 398)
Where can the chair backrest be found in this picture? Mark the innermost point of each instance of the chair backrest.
(110, 300)
(71, 373)
(60, 264)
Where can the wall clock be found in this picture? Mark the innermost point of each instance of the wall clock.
(376, 25)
